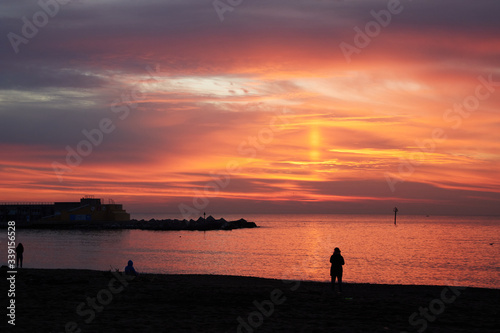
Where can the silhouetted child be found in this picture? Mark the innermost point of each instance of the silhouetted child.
(19, 254)
(336, 270)
(130, 270)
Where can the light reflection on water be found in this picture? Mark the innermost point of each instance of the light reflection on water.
(420, 250)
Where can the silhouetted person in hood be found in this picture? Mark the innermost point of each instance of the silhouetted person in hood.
(336, 270)
(130, 270)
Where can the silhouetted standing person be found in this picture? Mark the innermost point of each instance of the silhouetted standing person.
(395, 213)
(336, 270)
(19, 254)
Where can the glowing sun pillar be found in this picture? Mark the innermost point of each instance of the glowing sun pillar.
(314, 143)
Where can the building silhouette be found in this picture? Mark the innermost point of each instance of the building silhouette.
(88, 209)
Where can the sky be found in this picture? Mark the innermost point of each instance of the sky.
(318, 106)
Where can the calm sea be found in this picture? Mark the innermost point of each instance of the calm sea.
(436, 250)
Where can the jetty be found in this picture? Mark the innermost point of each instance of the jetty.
(92, 213)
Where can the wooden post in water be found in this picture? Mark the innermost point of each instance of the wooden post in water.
(395, 212)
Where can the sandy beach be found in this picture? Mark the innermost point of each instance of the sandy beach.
(99, 301)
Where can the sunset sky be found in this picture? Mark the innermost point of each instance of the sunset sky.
(185, 107)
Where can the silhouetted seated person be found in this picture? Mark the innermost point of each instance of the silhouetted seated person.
(130, 270)
(336, 270)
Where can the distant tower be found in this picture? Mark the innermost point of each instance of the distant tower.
(204, 215)
(395, 213)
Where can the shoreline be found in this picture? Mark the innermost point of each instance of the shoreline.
(94, 301)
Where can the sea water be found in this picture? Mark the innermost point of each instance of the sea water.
(436, 250)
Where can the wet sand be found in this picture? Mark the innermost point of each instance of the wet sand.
(97, 301)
